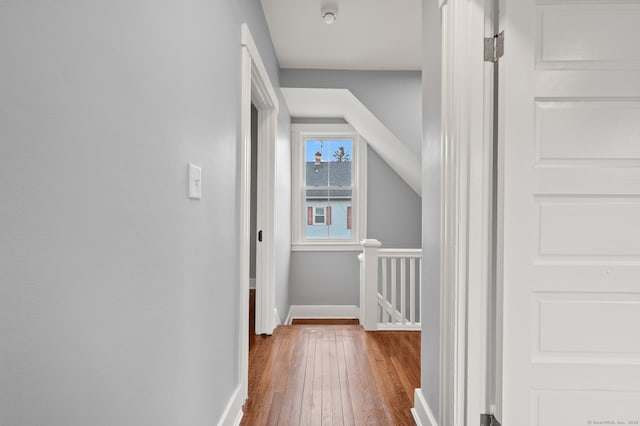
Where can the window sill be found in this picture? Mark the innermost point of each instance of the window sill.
(326, 247)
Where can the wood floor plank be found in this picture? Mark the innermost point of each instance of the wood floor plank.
(327, 399)
(307, 389)
(316, 385)
(355, 386)
(345, 391)
(337, 417)
(290, 410)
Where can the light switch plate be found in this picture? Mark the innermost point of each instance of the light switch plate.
(195, 182)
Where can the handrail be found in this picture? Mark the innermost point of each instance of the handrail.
(390, 253)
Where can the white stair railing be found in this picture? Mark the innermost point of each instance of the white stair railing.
(389, 287)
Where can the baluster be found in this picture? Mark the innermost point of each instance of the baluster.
(394, 306)
(385, 302)
(403, 286)
(420, 272)
(412, 290)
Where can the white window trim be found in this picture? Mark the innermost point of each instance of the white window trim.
(300, 132)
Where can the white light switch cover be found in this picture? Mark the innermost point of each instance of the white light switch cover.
(195, 182)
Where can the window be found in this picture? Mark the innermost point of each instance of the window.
(328, 187)
(319, 215)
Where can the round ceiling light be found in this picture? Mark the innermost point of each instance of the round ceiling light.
(329, 16)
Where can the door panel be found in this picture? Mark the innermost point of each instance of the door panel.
(571, 208)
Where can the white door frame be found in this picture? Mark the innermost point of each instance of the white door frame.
(466, 214)
(256, 88)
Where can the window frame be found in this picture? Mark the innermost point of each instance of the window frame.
(299, 241)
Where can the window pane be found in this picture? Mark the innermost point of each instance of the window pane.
(328, 162)
(316, 168)
(340, 162)
(327, 215)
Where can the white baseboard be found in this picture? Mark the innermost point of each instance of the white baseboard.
(277, 317)
(322, 311)
(252, 283)
(233, 412)
(422, 414)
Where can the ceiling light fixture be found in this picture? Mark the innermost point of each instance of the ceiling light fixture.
(329, 16)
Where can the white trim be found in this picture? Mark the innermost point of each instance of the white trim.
(263, 83)
(256, 88)
(252, 283)
(232, 414)
(263, 96)
(322, 103)
(398, 327)
(322, 312)
(299, 132)
(466, 208)
(421, 412)
(277, 317)
(326, 247)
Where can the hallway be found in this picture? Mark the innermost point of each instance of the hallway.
(308, 374)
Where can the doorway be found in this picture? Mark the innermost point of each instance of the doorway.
(257, 92)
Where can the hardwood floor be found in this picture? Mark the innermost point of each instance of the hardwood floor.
(308, 374)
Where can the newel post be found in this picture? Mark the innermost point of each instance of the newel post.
(369, 285)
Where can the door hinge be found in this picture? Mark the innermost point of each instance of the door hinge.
(494, 47)
(488, 420)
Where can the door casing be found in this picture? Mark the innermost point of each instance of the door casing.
(467, 213)
(256, 88)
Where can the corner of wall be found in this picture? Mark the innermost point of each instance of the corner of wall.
(233, 412)
(422, 413)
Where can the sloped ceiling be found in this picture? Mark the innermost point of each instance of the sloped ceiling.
(318, 103)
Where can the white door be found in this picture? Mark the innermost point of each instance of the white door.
(571, 140)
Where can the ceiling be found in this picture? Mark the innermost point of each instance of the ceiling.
(367, 35)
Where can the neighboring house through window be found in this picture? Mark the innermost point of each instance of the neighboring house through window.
(329, 191)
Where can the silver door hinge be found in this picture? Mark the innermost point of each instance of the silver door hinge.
(494, 47)
(488, 420)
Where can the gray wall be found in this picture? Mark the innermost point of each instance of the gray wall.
(119, 296)
(393, 217)
(431, 169)
(392, 96)
(324, 278)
